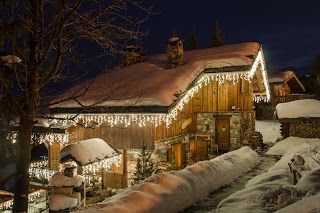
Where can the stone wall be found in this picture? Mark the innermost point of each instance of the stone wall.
(305, 129)
(162, 146)
(241, 126)
(159, 155)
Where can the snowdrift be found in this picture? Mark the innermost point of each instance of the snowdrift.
(173, 192)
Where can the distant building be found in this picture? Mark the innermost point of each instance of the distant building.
(284, 86)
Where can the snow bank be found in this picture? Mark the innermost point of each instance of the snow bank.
(275, 189)
(89, 151)
(60, 202)
(269, 129)
(305, 147)
(59, 180)
(308, 204)
(306, 108)
(290, 143)
(175, 191)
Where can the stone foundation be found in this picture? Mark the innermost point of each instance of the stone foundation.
(242, 124)
(162, 146)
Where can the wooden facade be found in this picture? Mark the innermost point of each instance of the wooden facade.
(210, 98)
(228, 105)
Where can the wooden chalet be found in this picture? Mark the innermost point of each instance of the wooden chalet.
(184, 105)
(284, 87)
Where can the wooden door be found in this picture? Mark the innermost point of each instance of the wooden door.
(201, 150)
(54, 156)
(179, 152)
(116, 177)
(223, 133)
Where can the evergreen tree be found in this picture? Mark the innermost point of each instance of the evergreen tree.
(145, 166)
(217, 38)
(194, 42)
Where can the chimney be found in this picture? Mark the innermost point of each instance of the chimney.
(174, 52)
(131, 55)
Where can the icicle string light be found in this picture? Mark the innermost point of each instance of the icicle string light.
(93, 168)
(39, 164)
(49, 137)
(41, 173)
(8, 204)
(158, 119)
(54, 138)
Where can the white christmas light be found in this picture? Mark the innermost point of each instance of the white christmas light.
(93, 168)
(157, 119)
(54, 138)
(8, 204)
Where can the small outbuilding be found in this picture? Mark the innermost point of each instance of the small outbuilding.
(300, 118)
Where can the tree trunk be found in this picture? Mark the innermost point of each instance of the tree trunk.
(21, 189)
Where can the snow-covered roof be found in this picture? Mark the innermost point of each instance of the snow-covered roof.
(88, 151)
(149, 83)
(290, 78)
(281, 77)
(306, 108)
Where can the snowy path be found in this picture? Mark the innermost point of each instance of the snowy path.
(210, 203)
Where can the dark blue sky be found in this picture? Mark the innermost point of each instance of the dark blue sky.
(289, 30)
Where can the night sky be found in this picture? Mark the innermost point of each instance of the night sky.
(289, 30)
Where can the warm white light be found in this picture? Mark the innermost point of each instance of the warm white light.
(157, 119)
(54, 138)
(93, 168)
(8, 204)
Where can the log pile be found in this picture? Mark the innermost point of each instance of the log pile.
(305, 130)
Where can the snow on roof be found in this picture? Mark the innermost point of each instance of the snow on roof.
(149, 83)
(88, 151)
(60, 180)
(11, 59)
(281, 77)
(6, 193)
(306, 108)
(174, 192)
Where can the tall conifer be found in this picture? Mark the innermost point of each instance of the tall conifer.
(217, 38)
(194, 41)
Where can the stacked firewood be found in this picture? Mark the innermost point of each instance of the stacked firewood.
(305, 130)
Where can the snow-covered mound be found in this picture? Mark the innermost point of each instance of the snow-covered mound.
(275, 189)
(269, 129)
(59, 202)
(306, 108)
(308, 204)
(175, 191)
(59, 180)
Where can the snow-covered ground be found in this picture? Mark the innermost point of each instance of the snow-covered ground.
(173, 192)
(268, 192)
(275, 190)
(270, 130)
